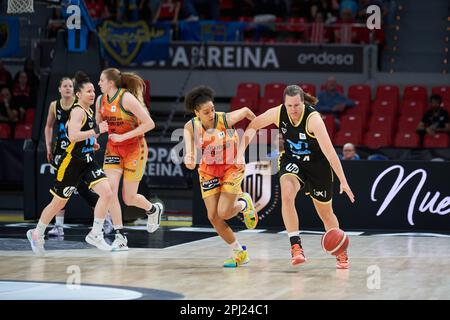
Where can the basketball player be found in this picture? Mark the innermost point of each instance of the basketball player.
(122, 106)
(212, 134)
(306, 162)
(78, 164)
(59, 112)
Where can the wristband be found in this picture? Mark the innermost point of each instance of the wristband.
(97, 129)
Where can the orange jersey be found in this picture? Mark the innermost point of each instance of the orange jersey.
(218, 145)
(119, 120)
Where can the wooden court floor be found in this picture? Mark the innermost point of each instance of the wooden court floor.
(382, 267)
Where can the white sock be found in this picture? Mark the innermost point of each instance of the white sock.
(118, 226)
(236, 246)
(293, 234)
(40, 228)
(243, 204)
(97, 226)
(59, 221)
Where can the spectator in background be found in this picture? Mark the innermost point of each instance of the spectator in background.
(6, 113)
(167, 10)
(344, 31)
(349, 152)
(330, 9)
(23, 95)
(331, 101)
(33, 79)
(191, 9)
(435, 119)
(97, 9)
(5, 77)
(319, 32)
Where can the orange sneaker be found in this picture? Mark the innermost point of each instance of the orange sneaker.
(297, 255)
(342, 261)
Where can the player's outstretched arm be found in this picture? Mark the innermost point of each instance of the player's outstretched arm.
(239, 115)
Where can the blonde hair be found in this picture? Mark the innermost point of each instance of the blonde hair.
(127, 80)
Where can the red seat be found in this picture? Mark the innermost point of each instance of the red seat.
(344, 136)
(147, 94)
(267, 103)
(309, 88)
(5, 131)
(443, 91)
(240, 102)
(23, 131)
(440, 140)
(377, 139)
(389, 92)
(417, 93)
(249, 90)
(296, 24)
(360, 92)
(274, 90)
(446, 105)
(406, 139)
(350, 122)
(385, 106)
(383, 123)
(330, 124)
(361, 110)
(29, 116)
(408, 123)
(339, 88)
(413, 108)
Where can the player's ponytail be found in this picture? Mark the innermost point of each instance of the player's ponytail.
(127, 80)
(309, 99)
(79, 80)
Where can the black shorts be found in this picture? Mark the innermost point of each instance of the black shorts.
(316, 177)
(58, 154)
(71, 172)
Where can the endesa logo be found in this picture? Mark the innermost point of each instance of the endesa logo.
(326, 58)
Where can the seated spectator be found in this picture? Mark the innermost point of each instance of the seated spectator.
(167, 10)
(6, 113)
(5, 76)
(33, 79)
(191, 9)
(435, 119)
(330, 9)
(349, 152)
(345, 32)
(331, 101)
(23, 96)
(319, 32)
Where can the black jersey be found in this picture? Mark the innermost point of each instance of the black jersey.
(299, 143)
(62, 115)
(83, 150)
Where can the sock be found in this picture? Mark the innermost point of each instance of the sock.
(59, 221)
(294, 238)
(40, 228)
(236, 246)
(97, 226)
(118, 226)
(243, 204)
(152, 209)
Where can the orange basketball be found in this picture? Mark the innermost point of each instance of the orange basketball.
(335, 241)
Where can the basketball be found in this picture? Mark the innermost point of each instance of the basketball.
(335, 241)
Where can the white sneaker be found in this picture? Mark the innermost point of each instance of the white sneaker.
(37, 243)
(120, 243)
(98, 241)
(154, 219)
(108, 225)
(57, 231)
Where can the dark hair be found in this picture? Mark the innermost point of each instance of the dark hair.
(127, 80)
(436, 97)
(294, 90)
(79, 80)
(198, 96)
(62, 80)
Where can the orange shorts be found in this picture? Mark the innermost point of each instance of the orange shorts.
(130, 159)
(229, 182)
